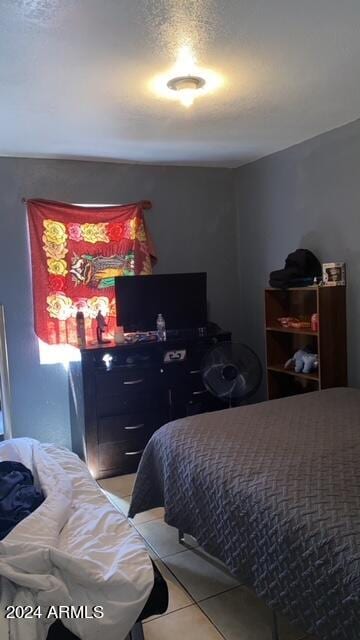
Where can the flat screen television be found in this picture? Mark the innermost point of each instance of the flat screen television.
(179, 297)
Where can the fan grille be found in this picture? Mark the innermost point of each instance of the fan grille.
(232, 371)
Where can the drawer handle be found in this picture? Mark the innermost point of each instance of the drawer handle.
(134, 453)
(195, 371)
(199, 393)
(138, 381)
(135, 426)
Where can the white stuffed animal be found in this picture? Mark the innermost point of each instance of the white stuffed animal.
(304, 361)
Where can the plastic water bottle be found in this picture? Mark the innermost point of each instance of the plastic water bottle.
(161, 328)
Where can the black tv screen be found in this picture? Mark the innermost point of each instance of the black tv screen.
(179, 297)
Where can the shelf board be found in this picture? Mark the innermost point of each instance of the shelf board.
(312, 287)
(280, 369)
(280, 329)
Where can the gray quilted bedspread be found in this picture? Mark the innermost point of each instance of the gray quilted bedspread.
(272, 490)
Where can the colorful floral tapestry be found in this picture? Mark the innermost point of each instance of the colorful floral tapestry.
(76, 252)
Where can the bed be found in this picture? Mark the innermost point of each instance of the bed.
(75, 549)
(272, 490)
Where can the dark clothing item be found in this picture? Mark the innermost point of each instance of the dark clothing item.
(301, 267)
(18, 496)
(158, 601)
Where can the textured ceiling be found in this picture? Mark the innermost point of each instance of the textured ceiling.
(74, 77)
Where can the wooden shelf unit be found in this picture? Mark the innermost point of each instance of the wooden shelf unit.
(305, 332)
(329, 342)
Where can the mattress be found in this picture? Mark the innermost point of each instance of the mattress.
(75, 550)
(272, 490)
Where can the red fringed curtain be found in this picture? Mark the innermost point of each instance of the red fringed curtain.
(76, 252)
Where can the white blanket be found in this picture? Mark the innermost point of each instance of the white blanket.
(75, 549)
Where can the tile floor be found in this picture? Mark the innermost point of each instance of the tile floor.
(206, 602)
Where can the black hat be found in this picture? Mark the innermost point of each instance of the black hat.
(301, 267)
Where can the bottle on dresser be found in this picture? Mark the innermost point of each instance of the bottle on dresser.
(119, 337)
(80, 330)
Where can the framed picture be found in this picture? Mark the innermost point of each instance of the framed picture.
(334, 274)
(5, 399)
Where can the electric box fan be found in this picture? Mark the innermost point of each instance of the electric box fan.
(232, 372)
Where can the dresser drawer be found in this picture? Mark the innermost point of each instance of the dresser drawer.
(130, 426)
(122, 456)
(195, 381)
(132, 401)
(124, 379)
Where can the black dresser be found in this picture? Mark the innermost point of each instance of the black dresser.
(119, 395)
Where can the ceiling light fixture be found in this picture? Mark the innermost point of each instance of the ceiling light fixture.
(186, 81)
(187, 86)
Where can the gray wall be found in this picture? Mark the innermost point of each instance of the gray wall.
(193, 226)
(306, 196)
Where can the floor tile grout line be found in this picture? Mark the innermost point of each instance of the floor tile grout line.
(162, 559)
(150, 545)
(169, 613)
(199, 602)
(176, 553)
(193, 601)
(176, 578)
(154, 550)
(189, 593)
(192, 604)
(179, 581)
(131, 520)
(143, 521)
(136, 525)
(239, 586)
(212, 623)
